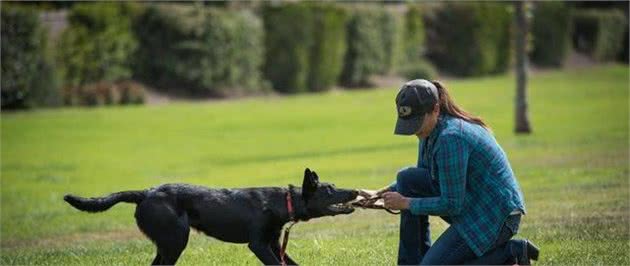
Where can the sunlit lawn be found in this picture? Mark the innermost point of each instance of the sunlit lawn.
(573, 169)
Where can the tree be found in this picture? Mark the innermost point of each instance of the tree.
(522, 125)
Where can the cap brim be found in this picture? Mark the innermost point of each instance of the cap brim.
(408, 126)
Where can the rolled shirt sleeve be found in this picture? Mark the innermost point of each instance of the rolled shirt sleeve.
(451, 159)
(392, 187)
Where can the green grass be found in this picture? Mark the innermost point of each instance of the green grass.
(573, 169)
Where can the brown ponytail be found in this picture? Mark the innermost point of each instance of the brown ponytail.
(449, 107)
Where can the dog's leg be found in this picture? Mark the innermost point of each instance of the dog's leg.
(171, 249)
(263, 252)
(275, 247)
(159, 220)
(157, 260)
(260, 245)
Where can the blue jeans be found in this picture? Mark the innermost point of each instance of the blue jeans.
(415, 238)
(415, 235)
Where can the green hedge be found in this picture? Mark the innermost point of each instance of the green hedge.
(599, 33)
(304, 56)
(105, 93)
(287, 46)
(414, 35)
(28, 76)
(371, 34)
(471, 38)
(623, 56)
(414, 65)
(98, 44)
(329, 46)
(391, 30)
(200, 50)
(419, 69)
(551, 30)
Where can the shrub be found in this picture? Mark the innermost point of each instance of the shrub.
(414, 65)
(131, 92)
(551, 33)
(105, 93)
(28, 76)
(413, 34)
(305, 56)
(623, 56)
(599, 33)
(100, 93)
(502, 16)
(97, 45)
(202, 50)
(418, 69)
(328, 47)
(391, 28)
(287, 46)
(469, 38)
(369, 45)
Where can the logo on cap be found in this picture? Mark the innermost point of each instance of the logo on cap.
(404, 111)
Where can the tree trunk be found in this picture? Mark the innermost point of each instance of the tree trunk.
(521, 114)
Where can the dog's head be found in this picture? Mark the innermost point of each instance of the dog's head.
(323, 199)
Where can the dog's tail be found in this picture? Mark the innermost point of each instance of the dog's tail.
(104, 203)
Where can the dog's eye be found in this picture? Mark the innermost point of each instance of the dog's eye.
(329, 190)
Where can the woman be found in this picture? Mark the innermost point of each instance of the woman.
(462, 175)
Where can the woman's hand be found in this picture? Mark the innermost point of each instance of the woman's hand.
(395, 201)
(381, 191)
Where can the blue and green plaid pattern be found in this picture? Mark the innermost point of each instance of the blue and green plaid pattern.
(478, 190)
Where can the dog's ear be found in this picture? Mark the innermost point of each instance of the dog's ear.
(309, 184)
(315, 177)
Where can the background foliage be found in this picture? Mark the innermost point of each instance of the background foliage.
(27, 68)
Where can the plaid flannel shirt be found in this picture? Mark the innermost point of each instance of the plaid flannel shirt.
(478, 189)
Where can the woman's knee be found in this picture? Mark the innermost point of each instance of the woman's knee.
(408, 176)
(402, 179)
(404, 174)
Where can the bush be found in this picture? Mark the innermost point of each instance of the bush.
(105, 93)
(370, 41)
(391, 29)
(414, 65)
(551, 29)
(413, 35)
(623, 56)
(418, 69)
(203, 50)
(287, 46)
(328, 47)
(307, 55)
(131, 92)
(98, 44)
(470, 38)
(28, 77)
(599, 33)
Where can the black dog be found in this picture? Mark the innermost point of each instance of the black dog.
(249, 215)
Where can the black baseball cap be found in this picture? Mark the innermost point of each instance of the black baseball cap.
(415, 99)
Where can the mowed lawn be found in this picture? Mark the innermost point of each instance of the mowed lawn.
(573, 169)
